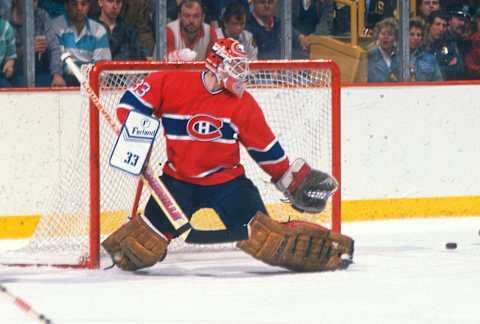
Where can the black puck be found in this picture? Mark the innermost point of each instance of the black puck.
(451, 245)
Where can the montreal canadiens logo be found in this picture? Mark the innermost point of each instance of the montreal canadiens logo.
(204, 127)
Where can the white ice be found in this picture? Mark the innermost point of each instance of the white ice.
(402, 274)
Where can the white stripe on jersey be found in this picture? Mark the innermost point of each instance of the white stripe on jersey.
(185, 117)
(189, 138)
(273, 162)
(268, 147)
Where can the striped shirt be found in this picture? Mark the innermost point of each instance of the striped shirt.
(90, 46)
(8, 51)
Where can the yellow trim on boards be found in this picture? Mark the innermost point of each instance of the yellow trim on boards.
(17, 227)
(383, 209)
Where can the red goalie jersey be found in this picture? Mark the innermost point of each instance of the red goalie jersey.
(203, 129)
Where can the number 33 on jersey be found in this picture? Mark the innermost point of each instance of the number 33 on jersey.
(134, 142)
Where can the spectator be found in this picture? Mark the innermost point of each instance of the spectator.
(451, 64)
(382, 60)
(48, 65)
(233, 25)
(216, 8)
(455, 33)
(266, 30)
(5, 7)
(54, 8)
(426, 7)
(136, 14)
(472, 57)
(379, 10)
(8, 53)
(189, 31)
(313, 16)
(122, 37)
(85, 39)
(423, 65)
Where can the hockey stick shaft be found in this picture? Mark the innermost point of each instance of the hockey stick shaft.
(24, 306)
(157, 188)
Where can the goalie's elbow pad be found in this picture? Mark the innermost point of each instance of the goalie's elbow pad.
(306, 188)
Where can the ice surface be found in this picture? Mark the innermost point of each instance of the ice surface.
(402, 274)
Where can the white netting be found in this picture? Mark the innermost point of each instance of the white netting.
(297, 105)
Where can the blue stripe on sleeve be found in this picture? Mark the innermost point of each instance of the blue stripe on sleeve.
(131, 100)
(273, 154)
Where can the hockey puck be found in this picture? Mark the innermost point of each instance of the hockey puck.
(451, 245)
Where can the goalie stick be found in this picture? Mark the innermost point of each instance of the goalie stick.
(157, 188)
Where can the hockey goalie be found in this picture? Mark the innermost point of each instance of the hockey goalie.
(206, 116)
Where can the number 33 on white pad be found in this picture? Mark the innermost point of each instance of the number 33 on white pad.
(134, 142)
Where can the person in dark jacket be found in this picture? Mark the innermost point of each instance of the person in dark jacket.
(136, 13)
(123, 38)
(446, 52)
(266, 30)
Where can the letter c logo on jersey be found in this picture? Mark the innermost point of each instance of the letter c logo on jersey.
(204, 127)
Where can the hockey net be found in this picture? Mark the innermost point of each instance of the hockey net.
(300, 100)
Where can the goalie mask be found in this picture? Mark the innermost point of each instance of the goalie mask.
(228, 61)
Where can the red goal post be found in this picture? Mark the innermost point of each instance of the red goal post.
(300, 100)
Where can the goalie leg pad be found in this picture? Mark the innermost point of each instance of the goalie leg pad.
(298, 246)
(136, 245)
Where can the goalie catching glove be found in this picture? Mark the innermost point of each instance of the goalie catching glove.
(297, 245)
(306, 188)
(136, 245)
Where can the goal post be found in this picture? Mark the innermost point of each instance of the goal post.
(301, 103)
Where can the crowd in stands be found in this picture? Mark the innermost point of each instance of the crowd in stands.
(443, 40)
(444, 35)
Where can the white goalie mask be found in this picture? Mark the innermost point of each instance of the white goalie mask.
(228, 61)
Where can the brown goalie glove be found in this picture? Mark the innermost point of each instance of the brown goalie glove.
(306, 188)
(297, 245)
(136, 245)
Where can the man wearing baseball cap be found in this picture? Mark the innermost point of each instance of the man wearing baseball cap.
(454, 38)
